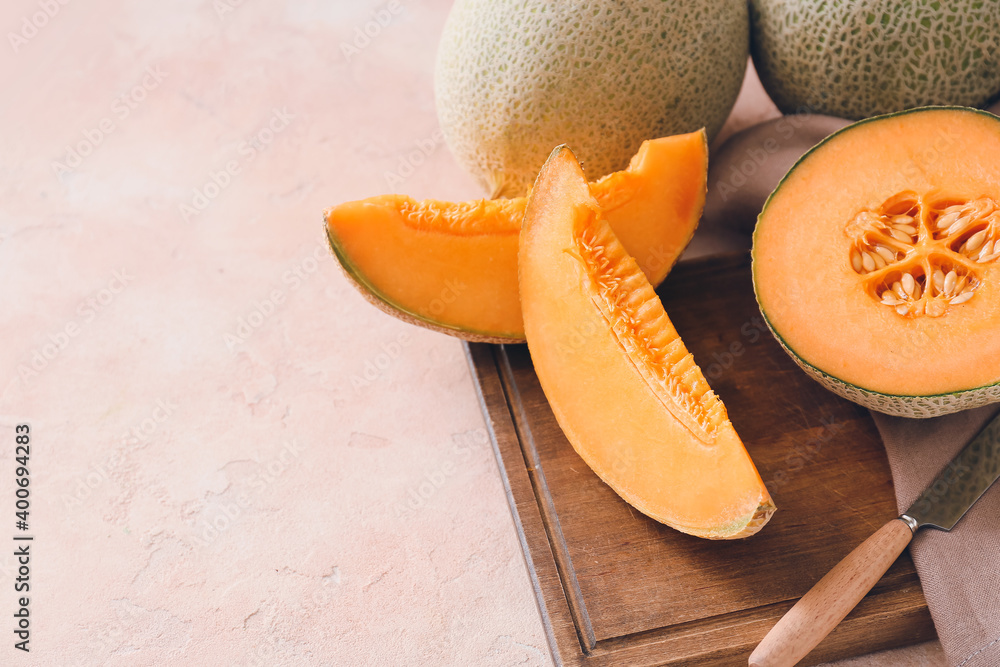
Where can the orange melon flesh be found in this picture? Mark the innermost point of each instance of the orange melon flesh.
(453, 266)
(622, 385)
(830, 315)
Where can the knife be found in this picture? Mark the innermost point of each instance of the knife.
(941, 505)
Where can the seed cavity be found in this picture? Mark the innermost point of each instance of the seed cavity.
(919, 255)
(470, 218)
(642, 327)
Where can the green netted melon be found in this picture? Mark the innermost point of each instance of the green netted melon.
(855, 59)
(515, 79)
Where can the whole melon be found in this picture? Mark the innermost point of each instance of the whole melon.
(855, 59)
(516, 79)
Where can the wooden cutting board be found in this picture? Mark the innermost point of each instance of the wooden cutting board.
(616, 588)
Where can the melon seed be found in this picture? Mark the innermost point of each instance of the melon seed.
(908, 284)
(900, 236)
(960, 284)
(939, 280)
(886, 254)
(976, 240)
(856, 261)
(960, 226)
(890, 299)
(949, 281)
(948, 220)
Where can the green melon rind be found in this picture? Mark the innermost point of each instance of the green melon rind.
(514, 79)
(855, 60)
(914, 407)
(898, 405)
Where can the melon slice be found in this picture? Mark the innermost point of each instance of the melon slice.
(452, 267)
(876, 261)
(622, 385)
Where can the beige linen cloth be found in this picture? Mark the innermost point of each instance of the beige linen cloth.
(959, 570)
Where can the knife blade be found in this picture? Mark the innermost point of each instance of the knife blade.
(962, 482)
(941, 505)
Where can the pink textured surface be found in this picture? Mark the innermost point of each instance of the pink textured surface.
(236, 459)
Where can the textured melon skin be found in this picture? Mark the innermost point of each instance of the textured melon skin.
(514, 79)
(859, 59)
(914, 407)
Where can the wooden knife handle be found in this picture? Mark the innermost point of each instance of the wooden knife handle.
(832, 598)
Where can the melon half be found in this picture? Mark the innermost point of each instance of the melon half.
(876, 261)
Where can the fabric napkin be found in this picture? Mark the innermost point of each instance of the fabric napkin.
(959, 570)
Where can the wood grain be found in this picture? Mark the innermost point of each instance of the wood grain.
(616, 588)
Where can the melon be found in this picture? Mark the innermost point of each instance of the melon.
(622, 385)
(859, 59)
(452, 266)
(514, 79)
(876, 261)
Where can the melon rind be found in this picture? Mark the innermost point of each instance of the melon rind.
(914, 407)
(512, 80)
(897, 405)
(859, 59)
